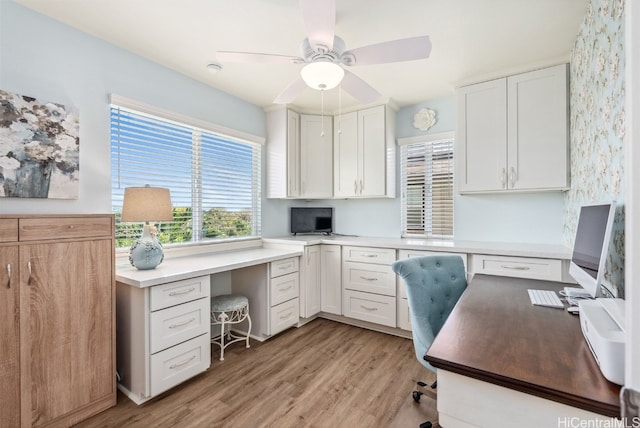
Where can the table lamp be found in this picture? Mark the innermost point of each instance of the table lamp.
(146, 204)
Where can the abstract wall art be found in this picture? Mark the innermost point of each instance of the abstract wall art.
(39, 148)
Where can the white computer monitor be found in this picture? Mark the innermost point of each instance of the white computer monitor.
(591, 245)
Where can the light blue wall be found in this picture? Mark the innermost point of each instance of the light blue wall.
(45, 59)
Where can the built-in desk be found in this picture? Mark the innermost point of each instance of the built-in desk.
(504, 362)
(163, 314)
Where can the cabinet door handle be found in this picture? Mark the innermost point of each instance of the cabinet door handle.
(368, 308)
(29, 269)
(182, 363)
(284, 317)
(9, 275)
(355, 187)
(183, 323)
(503, 178)
(361, 187)
(178, 293)
(368, 278)
(515, 267)
(512, 176)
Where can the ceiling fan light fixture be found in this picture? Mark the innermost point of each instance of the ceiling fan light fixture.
(322, 75)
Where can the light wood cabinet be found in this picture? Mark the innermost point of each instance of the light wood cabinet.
(331, 279)
(316, 157)
(512, 133)
(58, 306)
(364, 153)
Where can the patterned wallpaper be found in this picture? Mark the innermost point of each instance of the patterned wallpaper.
(598, 125)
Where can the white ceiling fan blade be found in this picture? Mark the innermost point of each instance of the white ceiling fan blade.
(358, 88)
(320, 21)
(393, 51)
(291, 92)
(261, 58)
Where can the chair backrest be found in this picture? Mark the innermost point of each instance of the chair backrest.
(434, 284)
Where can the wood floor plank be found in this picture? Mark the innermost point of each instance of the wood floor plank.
(324, 374)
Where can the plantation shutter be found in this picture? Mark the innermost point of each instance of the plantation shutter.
(426, 169)
(214, 180)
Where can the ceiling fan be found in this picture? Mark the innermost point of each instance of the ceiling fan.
(324, 55)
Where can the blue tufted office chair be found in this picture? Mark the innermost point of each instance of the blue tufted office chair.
(434, 284)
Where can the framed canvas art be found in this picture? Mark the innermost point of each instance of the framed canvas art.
(39, 148)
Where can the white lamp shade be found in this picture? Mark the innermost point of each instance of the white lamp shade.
(142, 204)
(322, 75)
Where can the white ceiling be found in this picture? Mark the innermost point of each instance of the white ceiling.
(472, 40)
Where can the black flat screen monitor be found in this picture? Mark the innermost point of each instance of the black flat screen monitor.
(311, 220)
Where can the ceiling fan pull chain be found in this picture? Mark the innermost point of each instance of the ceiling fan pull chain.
(322, 110)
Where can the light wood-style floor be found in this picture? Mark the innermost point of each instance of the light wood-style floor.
(324, 374)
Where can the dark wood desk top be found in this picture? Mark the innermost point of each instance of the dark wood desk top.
(496, 335)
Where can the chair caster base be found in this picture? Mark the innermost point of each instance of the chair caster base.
(426, 425)
(416, 396)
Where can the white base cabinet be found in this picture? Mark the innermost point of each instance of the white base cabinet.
(163, 335)
(331, 279)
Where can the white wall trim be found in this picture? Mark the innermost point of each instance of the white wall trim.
(141, 107)
(632, 196)
(426, 138)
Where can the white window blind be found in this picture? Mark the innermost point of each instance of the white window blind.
(214, 180)
(426, 169)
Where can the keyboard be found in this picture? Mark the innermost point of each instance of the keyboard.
(545, 298)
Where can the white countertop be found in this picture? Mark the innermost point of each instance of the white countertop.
(544, 251)
(188, 266)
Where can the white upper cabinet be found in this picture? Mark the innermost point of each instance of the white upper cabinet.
(316, 157)
(283, 154)
(512, 133)
(364, 154)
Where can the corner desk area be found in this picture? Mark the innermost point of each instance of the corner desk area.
(500, 359)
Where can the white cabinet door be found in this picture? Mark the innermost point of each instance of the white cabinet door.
(538, 151)
(481, 140)
(316, 156)
(310, 282)
(372, 152)
(330, 279)
(345, 155)
(283, 154)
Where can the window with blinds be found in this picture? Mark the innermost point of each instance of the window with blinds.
(214, 180)
(426, 169)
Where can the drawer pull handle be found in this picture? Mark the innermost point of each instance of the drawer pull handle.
(284, 317)
(368, 308)
(368, 278)
(370, 255)
(286, 288)
(287, 266)
(182, 363)
(185, 291)
(512, 267)
(9, 275)
(180, 324)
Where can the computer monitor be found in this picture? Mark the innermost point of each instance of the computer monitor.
(311, 220)
(590, 247)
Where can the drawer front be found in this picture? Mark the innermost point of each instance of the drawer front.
(178, 292)
(284, 267)
(284, 316)
(8, 229)
(404, 321)
(284, 288)
(369, 278)
(178, 324)
(370, 307)
(36, 229)
(383, 256)
(179, 363)
(518, 267)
